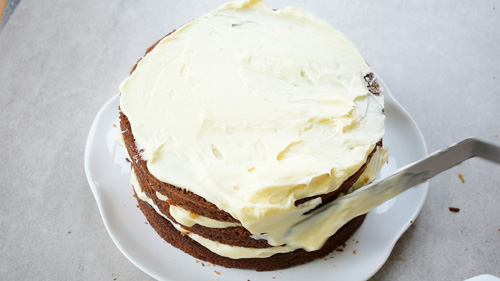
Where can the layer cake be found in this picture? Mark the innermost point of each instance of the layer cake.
(239, 122)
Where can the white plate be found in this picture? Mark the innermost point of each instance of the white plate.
(109, 177)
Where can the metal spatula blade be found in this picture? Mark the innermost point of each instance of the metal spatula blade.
(335, 214)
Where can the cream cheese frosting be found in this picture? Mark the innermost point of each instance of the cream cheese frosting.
(253, 109)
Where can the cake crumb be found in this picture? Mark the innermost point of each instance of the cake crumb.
(461, 177)
(366, 179)
(354, 252)
(454, 209)
(202, 264)
(193, 215)
(145, 222)
(217, 272)
(325, 259)
(114, 125)
(339, 250)
(69, 232)
(344, 245)
(197, 261)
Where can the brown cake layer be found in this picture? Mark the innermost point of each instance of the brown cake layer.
(278, 261)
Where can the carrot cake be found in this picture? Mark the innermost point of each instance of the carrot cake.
(242, 120)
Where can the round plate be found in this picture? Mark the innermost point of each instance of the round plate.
(109, 177)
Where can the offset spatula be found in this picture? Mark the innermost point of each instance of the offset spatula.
(332, 216)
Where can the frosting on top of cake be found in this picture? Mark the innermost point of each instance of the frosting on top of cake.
(253, 109)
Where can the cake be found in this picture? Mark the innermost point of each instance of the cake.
(241, 121)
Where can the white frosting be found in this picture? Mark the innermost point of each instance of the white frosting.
(253, 109)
